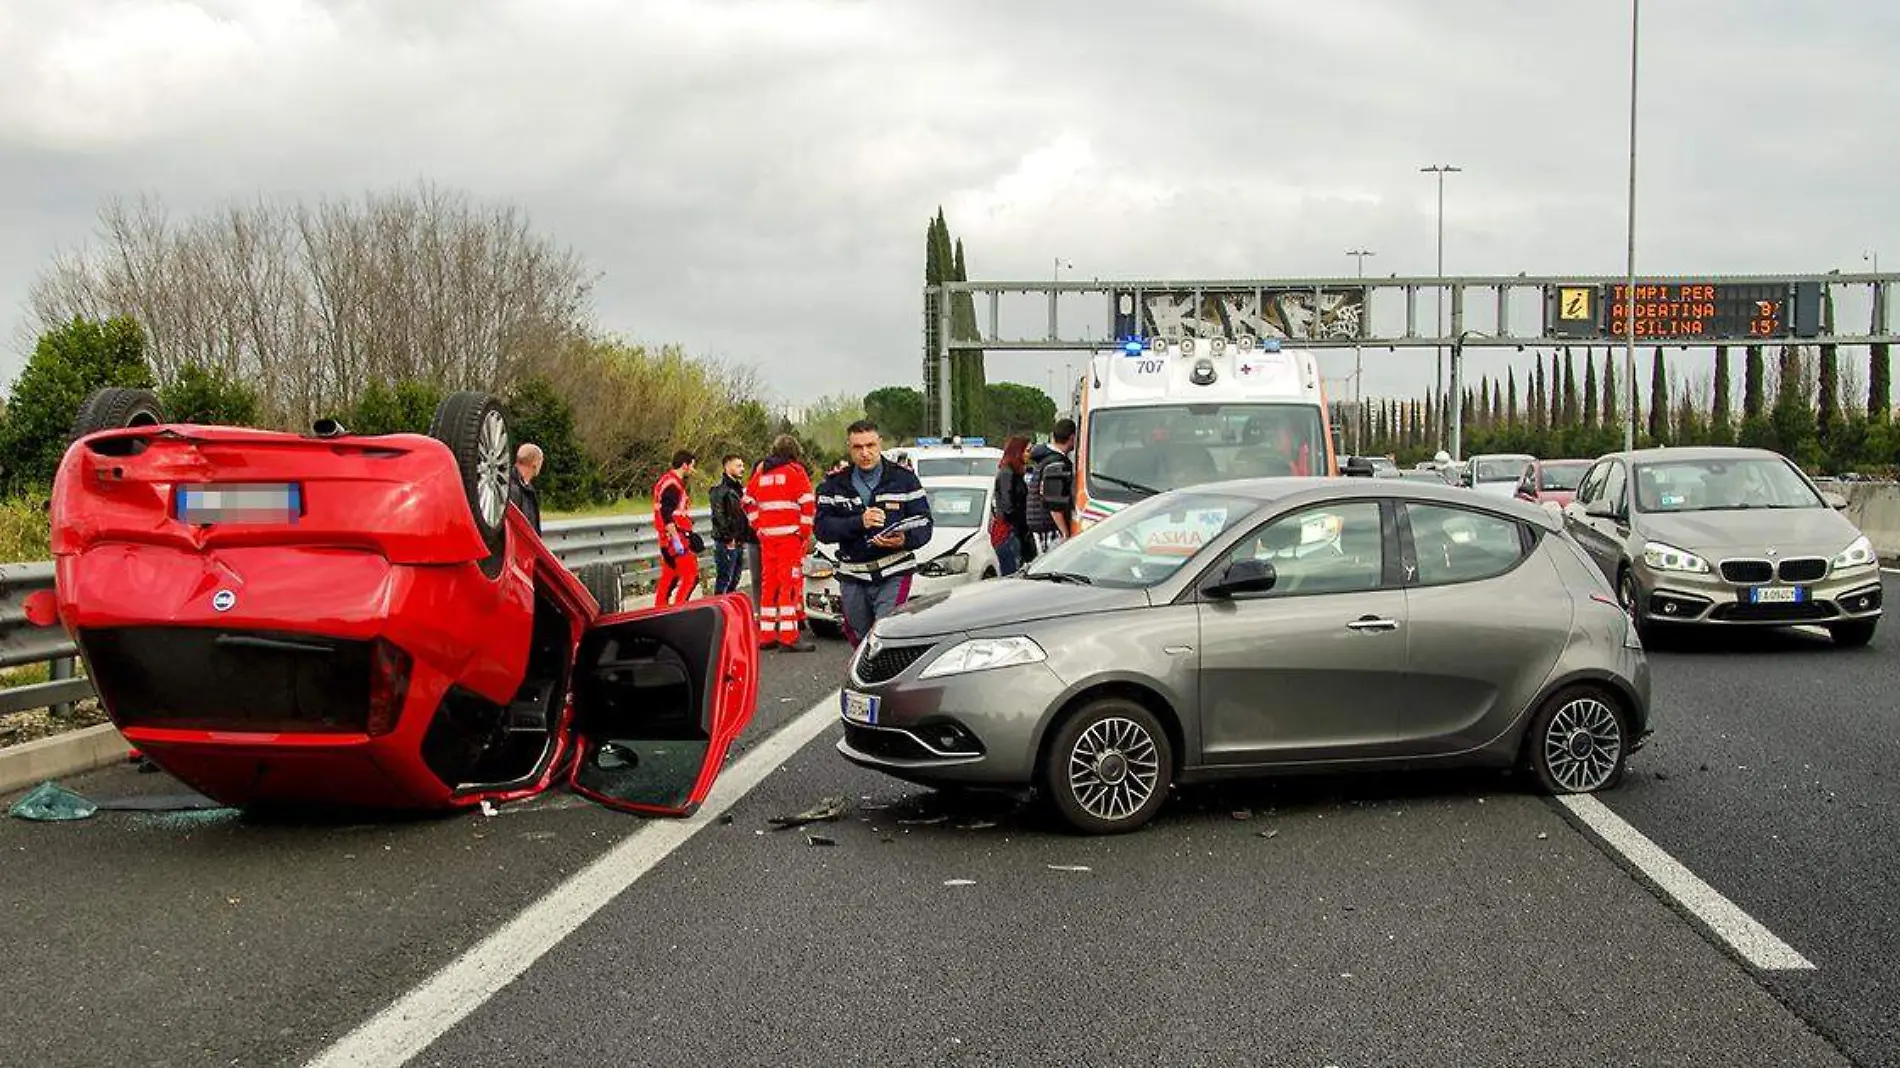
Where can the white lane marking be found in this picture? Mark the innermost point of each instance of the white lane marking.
(414, 1021)
(1756, 943)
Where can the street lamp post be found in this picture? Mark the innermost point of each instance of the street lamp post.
(1874, 255)
(1440, 169)
(1457, 392)
(1629, 282)
(1358, 361)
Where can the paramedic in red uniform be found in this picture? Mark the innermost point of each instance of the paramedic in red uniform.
(781, 507)
(679, 564)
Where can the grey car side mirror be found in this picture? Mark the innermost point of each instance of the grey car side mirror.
(1242, 576)
(1834, 500)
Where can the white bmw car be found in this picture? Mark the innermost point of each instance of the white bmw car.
(958, 552)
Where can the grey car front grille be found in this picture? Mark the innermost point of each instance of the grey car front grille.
(1747, 571)
(1806, 569)
(886, 662)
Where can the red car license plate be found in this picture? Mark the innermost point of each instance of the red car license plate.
(240, 502)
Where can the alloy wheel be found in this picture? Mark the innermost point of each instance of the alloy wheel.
(1114, 768)
(492, 472)
(1583, 744)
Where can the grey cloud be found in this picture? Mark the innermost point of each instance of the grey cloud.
(752, 178)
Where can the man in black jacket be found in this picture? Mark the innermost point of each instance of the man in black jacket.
(1052, 486)
(876, 513)
(521, 491)
(731, 532)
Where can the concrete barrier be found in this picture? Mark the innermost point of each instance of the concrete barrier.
(26, 764)
(1874, 507)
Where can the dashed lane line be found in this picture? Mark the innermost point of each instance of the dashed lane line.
(414, 1021)
(1746, 935)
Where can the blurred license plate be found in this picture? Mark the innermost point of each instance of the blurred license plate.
(1778, 595)
(860, 707)
(241, 502)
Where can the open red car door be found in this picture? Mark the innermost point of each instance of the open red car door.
(659, 696)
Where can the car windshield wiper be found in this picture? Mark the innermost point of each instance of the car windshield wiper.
(1149, 491)
(1060, 576)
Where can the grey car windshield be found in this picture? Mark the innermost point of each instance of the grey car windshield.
(1501, 469)
(1145, 543)
(955, 506)
(956, 466)
(1722, 485)
(1561, 476)
(1164, 447)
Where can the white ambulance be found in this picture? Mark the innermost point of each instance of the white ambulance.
(1165, 414)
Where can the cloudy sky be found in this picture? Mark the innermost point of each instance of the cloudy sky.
(752, 178)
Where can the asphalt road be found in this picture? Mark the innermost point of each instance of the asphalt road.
(1454, 920)
(208, 938)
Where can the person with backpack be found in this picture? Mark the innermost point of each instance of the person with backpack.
(1051, 486)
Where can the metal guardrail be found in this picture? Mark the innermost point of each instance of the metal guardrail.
(627, 542)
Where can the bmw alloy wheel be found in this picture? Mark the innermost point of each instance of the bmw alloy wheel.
(1114, 768)
(1583, 744)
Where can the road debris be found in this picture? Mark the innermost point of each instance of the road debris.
(1269, 834)
(959, 882)
(1243, 814)
(819, 840)
(824, 811)
(921, 820)
(1068, 867)
(489, 809)
(51, 802)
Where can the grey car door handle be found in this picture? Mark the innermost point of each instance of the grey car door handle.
(1373, 623)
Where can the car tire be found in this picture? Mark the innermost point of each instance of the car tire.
(603, 581)
(1854, 633)
(472, 425)
(1631, 597)
(1578, 741)
(1108, 768)
(115, 407)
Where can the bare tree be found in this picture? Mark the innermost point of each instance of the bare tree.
(311, 302)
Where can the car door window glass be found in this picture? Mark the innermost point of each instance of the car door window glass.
(1460, 545)
(1335, 548)
(1592, 483)
(1613, 489)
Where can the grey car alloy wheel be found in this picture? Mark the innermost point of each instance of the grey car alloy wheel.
(1582, 744)
(1109, 767)
(1114, 768)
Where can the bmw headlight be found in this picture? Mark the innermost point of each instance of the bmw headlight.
(982, 654)
(1663, 557)
(1858, 555)
(948, 564)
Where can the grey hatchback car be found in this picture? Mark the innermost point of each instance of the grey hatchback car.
(1273, 625)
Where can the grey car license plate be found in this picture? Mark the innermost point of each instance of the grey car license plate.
(1778, 595)
(859, 707)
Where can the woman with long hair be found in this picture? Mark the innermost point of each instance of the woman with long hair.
(1009, 515)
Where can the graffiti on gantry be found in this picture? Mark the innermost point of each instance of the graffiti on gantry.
(1290, 314)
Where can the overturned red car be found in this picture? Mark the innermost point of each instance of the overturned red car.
(365, 621)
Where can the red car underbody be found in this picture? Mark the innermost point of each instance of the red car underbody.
(353, 651)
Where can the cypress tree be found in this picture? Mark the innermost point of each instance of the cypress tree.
(1589, 389)
(1510, 397)
(1610, 398)
(1658, 399)
(1827, 397)
(1555, 399)
(1720, 431)
(1497, 404)
(1753, 372)
(1570, 390)
(1879, 384)
(1537, 394)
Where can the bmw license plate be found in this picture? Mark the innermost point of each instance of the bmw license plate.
(860, 707)
(1778, 595)
(240, 502)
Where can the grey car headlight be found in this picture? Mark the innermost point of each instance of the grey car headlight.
(982, 654)
(951, 564)
(1664, 557)
(1858, 555)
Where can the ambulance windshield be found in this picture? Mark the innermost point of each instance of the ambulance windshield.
(1130, 451)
